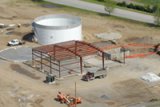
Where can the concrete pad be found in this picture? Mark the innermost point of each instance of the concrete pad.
(17, 54)
(109, 36)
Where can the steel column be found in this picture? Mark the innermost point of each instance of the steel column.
(75, 47)
(41, 61)
(75, 94)
(32, 58)
(124, 56)
(54, 52)
(103, 60)
(81, 65)
(50, 65)
(59, 70)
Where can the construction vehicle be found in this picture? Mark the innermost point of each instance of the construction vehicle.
(15, 42)
(93, 75)
(67, 99)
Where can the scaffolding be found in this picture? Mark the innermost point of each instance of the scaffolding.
(57, 56)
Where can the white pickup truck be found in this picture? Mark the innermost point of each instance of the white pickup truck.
(15, 42)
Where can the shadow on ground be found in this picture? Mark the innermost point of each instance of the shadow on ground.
(103, 14)
(23, 71)
(29, 37)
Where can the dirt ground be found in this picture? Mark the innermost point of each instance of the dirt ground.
(24, 11)
(22, 86)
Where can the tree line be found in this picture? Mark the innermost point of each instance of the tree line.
(151, 8)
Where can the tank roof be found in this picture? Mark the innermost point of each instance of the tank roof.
(58, 21)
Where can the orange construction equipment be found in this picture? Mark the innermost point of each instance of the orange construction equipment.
(67, 99)
(74, 101)
(62, 98)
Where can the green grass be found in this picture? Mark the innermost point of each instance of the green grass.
(148, 1)
(82, 11)
(125, 8)
(94, 1)
(63, 7)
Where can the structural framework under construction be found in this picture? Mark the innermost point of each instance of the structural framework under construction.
(63, 56)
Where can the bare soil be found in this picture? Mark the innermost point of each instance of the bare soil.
(23, 86)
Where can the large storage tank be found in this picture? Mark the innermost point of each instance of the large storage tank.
(52, 29)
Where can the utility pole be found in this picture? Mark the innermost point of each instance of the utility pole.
(124, 54)
(75, 95)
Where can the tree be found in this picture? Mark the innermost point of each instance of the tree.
(157, 15)
(101, 0)
(37, 0)
(109, 6)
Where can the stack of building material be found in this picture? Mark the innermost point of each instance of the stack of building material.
(150, 77)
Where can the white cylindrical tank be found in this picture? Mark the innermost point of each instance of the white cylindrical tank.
(52, 29)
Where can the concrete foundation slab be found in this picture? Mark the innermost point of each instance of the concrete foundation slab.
(17, 54)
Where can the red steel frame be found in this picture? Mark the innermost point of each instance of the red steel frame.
(55, 53)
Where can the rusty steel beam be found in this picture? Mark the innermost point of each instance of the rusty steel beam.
(88, 54)
(44, 49)
(87, 51)
(85, 43)
(61, 53)
(63, 56)
(73, 53)
(67, 50)
(97, 50)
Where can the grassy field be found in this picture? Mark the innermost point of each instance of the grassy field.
(148, 1)
(68, 8)
(102, 3)
(94, 1)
